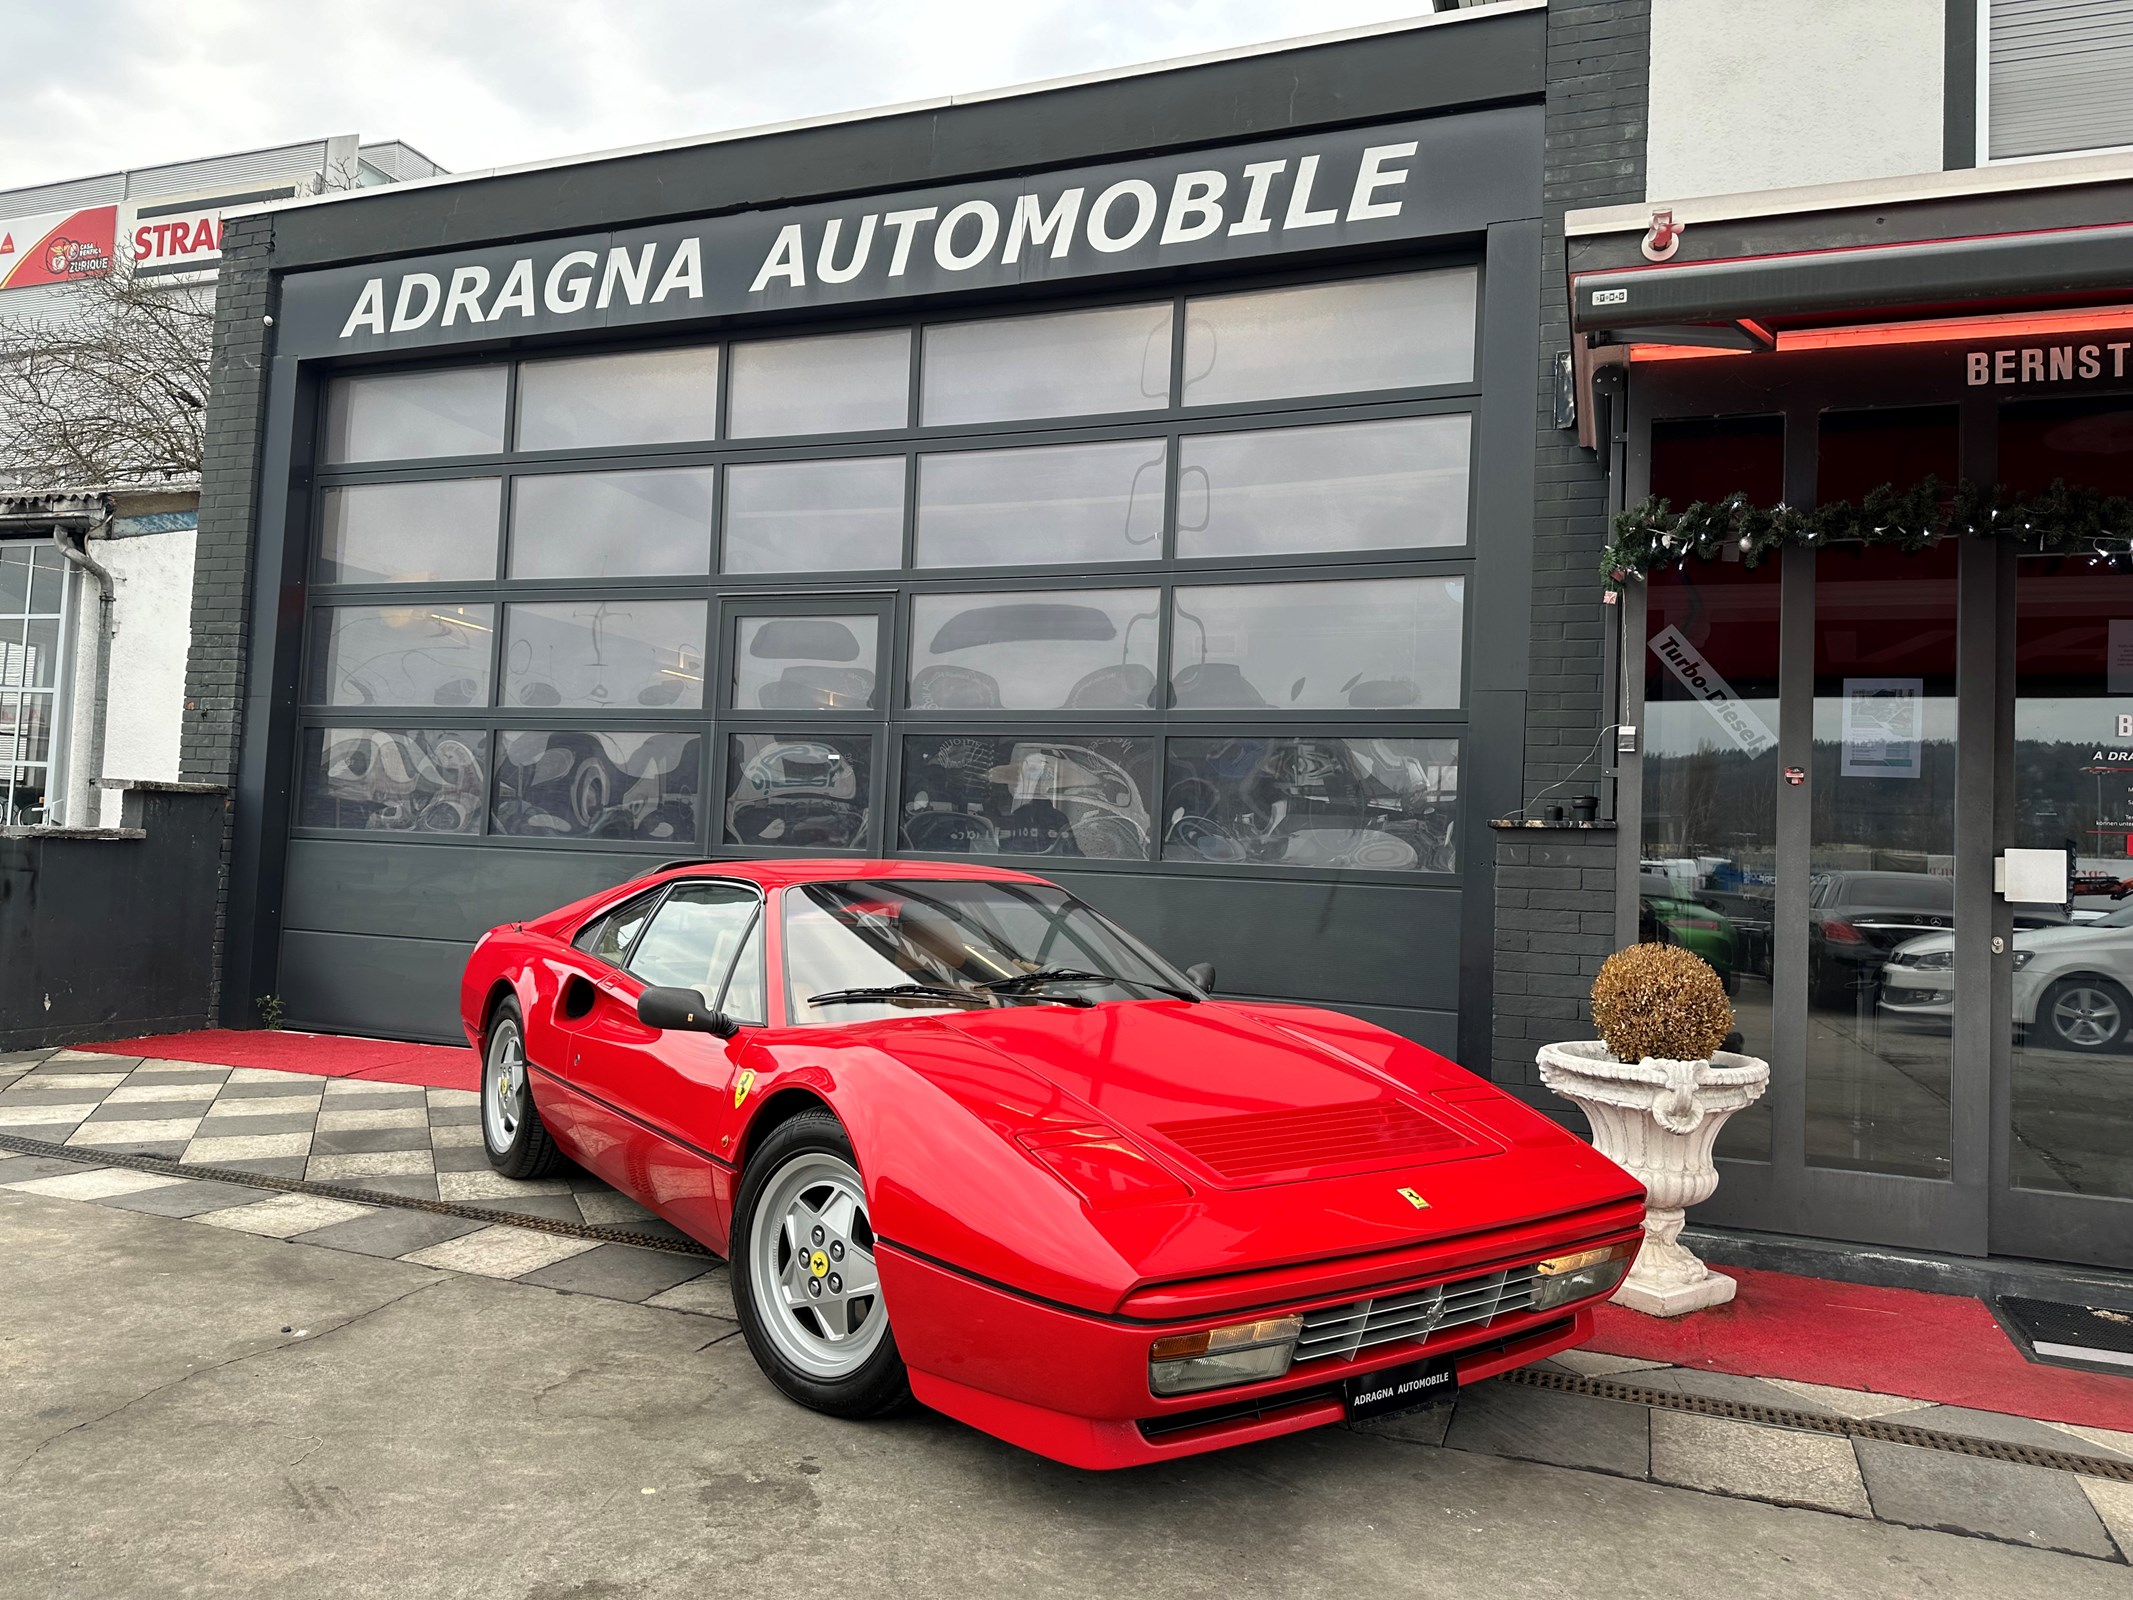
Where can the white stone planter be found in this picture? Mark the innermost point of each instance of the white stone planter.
(1659, 1119)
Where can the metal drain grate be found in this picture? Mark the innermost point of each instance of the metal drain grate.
(1818, 1422)
(606, 1233)
(2060, 1331)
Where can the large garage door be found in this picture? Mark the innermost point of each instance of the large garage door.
(1162, 596)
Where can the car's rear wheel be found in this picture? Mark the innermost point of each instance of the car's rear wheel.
(804, 1278)
(512, 1132)
(2085, 1013)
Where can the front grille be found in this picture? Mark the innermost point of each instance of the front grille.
(1339, 1332)
(1261, 1143)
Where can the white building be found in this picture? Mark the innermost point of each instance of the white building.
(89, 689)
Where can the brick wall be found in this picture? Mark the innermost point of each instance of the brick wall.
(1554, 891)
(215, 666)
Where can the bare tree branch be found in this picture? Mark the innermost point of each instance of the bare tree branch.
(110, 389)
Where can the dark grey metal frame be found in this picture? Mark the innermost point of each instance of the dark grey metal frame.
(1977, 1210)
(734, 594)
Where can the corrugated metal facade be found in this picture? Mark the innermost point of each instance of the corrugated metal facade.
(2061, 76)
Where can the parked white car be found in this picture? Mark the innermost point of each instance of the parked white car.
(2073, 984)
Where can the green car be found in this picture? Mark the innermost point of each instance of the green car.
(1667, 915)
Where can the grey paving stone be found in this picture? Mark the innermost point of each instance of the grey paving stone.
(367, 1141)
(1719, 1386)
(1968, 1494)
(1790, 1468)
(22, 1058)
(286, 1086)
(195, 1197)
(404, 1100)
(138, 1110)
(1565, 1430)
(554, 1207)
(2006, 1429)
(454, 1116)
(167, 1149)
(619, 1272)
(272, 1166)
(709, 1294)
(471, 1158)
(391, 1232)
(409, 1184)
(242, 1127)
(27, 1092)
(20, 1169)
(207, 1076)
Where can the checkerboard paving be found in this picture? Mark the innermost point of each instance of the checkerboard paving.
(390, 1138)
(644, 1276)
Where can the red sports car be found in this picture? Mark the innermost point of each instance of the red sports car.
(962, 1139)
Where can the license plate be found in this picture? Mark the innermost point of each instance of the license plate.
(1408, 1388)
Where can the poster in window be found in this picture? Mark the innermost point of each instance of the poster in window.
(1882, 722)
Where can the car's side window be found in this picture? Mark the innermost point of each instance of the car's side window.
(694, 937)
(608, 938)
(744, 991)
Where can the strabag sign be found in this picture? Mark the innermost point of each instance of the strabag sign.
(57, 246)
(1384, 185)
(1710, 690)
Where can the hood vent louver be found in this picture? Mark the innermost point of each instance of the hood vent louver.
(1264, 1144)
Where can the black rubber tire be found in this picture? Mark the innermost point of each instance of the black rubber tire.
(881, 1387)
(2045, 1029)
(532, 1153)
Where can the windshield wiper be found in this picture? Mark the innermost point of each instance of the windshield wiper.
(897, 991)
(1043, 975)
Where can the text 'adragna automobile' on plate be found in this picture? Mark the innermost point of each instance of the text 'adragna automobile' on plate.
(965, 1141)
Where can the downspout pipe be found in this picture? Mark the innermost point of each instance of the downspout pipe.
(100, 703)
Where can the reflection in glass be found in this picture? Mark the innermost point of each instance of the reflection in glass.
(1056, 503)
(1711, 779)
(1404, 331)
(1377, 805)
(421, 655)
(1882, 855)
(693, 941)
(841, 515)
(605, 653)
(810, 663)
(1064, 364)
(799, 791)
(1378, 643)
(1079, 795)
(834, 383)
(394, 780)
(636, 397)
(611, 524)
(598, 785)
(1036, 650)
(409, 532)
(1351, 486)
(2073, 788)
(411, 416)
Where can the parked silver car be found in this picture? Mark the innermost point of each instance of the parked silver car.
(2073, 983)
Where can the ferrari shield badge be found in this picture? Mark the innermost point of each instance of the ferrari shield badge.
(741, 1086)
(1408, 1195)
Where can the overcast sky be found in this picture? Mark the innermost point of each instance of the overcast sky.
(94, 85)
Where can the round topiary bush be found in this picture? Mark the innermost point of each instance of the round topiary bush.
(1660, 1000)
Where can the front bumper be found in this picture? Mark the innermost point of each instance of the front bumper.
(1918, 991)
(1073, 1386)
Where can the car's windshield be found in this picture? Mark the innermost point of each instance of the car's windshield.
(954, 946)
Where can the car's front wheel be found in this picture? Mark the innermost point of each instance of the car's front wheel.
(512, 1132)
(804, 1278)
(2085, 1013)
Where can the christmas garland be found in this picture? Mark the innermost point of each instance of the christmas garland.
(2063, 517)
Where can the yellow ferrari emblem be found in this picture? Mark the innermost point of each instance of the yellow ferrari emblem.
(1414, 1199)
(741, 1086)
(819, 1264)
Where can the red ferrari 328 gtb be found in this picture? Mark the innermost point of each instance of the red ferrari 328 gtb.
(964, 1140)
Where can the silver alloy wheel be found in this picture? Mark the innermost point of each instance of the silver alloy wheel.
(811, 1267)
(503, 1086)
(2086, 1016)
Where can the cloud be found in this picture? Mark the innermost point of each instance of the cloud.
(97, 85)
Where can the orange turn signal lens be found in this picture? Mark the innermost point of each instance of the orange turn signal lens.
(1237, 1336)
(1554, 1266)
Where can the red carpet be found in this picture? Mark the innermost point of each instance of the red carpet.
(1940, 1347)
(328, 1055)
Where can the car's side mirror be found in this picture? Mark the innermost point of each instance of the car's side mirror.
(1202, 974)
(682, 1011)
